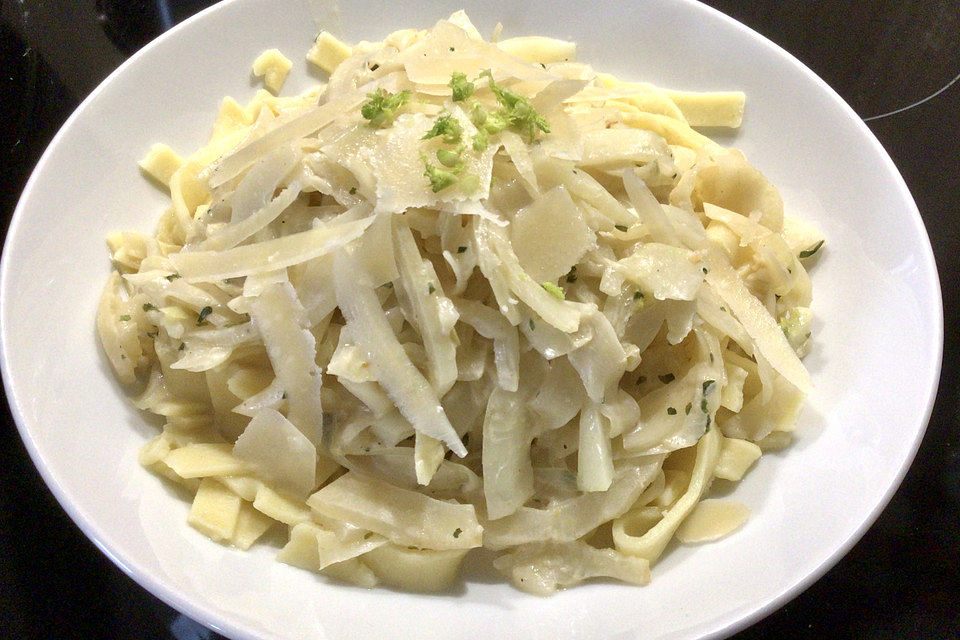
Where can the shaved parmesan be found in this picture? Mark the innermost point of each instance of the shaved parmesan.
(280, 452)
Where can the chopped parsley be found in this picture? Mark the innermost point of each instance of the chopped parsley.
(450, 173)
(439, 178)
(532, 326)
(553, 290)
(448, 158)
(671, 411)
(149, 307)
(515, 111)
(430, 287)
(124, 318)
(203, 315)
(806, 253)
(353, 191)
(638, 301)
(666, 378)
(173, 276)
(460, 87)
(447, 126)
(703, 400)
(461, 249)
(382, 106)
(686, 410)
(478, 115)
(620, 227)
(480, 141)
(457, 532)
(572, 276)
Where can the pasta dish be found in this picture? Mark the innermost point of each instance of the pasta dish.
(463, 294)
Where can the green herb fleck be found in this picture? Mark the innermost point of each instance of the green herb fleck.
(480, 141)
(620, 227)
(572, 275)
(705, 270)
(460, 87)
(368, 535)
(671, 411)
(353, 191)
(638, 300)
(448, 158)
(149, 307)
(382, 107)
(686, 410)
(532, 325)
(440, 179)
(124, 318)
(173, 276)
(666, 378)
(430, 287)
(461, 249)
(515, 110)
(457, 532)
(478, 115)
(447, 126)
(553, 290)
(703, 400)
(203, 315)
(806, 253)
(182, 346)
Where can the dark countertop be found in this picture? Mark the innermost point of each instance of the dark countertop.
(902, 580)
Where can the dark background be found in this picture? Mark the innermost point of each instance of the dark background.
(901, 581)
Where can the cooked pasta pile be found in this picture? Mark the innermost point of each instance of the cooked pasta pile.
(465, 294)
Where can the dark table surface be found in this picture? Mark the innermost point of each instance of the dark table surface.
(895, 62)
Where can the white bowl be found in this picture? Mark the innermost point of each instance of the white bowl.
(875, 361)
